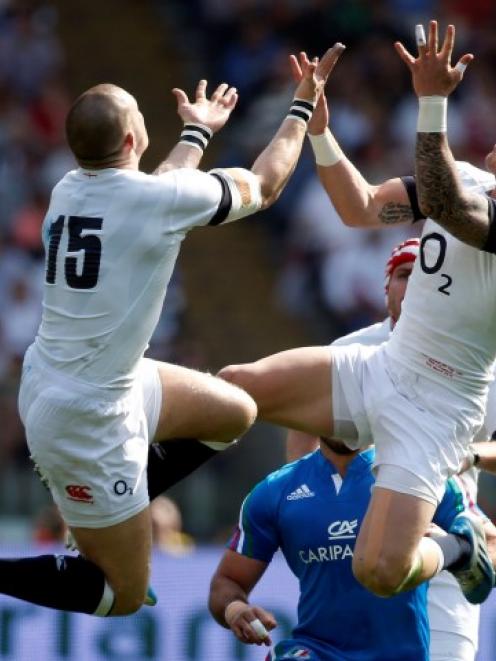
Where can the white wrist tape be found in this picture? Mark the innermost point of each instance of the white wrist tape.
(196, 135)
(432, 114)
(326, 149)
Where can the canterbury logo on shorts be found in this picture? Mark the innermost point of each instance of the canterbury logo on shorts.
(79, 493)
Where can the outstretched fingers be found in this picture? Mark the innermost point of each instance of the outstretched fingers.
(308, 67)
(181, 96)
(405, 55)
(219, 92)
(434, 38)
(230, 98)
(449, 42)
(324, 66)
(201, 90)
(463, 63)
(329, 59)
(295, 68)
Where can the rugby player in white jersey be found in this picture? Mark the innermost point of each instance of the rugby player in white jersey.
(89, 402)
(422, 394)
(453, 621)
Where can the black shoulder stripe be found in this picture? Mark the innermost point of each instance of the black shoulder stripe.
(411, 188)
(225, 203)
(490, 245)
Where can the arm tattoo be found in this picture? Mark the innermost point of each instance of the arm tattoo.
(393, 213)
(441, 193)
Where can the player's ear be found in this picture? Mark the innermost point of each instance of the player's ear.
(129, 142)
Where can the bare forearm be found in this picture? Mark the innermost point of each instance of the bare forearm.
(358, 203)
(277, 162)
(224, 591)
(182, 156)
(441, 194)
(487, 456)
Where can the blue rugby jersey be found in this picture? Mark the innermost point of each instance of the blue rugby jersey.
(314, 516)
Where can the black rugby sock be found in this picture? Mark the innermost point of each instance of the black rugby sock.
(62, 582)
(171, 461)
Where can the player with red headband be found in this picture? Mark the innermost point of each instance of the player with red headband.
(453, 621)
(398, 269)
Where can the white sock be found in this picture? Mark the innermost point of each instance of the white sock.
(106, 602)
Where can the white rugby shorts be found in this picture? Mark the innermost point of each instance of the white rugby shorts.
(420, 429)
(448, 646)
(89, 443)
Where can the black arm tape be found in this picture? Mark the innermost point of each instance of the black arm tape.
(490, 245)
(411, 188)
(225, 203)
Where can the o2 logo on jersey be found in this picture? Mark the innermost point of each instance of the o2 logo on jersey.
(342, 529)
(121, 487)
(435, 267)
(80, 493)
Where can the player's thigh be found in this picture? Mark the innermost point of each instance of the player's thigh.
(390, 534)
(122, 552)
(199, 405)
(292, 388)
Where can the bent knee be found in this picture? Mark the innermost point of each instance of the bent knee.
(255, 380)
(235, 374)
(243, 414)
(382, 577)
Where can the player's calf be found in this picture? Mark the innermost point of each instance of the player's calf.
(122, 552)
(128, 599)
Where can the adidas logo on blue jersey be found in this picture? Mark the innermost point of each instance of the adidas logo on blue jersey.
(301, 492)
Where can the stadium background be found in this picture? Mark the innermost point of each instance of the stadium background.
(289, 277)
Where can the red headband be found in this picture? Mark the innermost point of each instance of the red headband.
(404, 252)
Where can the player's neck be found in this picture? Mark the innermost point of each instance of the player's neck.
(339, 461)
(127, 161)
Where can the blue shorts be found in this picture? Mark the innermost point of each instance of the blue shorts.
(288, 650)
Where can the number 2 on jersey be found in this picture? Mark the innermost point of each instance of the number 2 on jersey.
(82, 239)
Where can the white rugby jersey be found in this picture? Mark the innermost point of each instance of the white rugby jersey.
(449, 611)
(369, 336)
(112, 237)
(447, 328)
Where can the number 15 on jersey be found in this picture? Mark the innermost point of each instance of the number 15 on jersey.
(84, 251)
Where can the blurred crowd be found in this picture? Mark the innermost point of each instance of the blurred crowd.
(33, 156)
(329, 275)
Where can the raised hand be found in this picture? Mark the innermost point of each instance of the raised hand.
(320, 117)
(432, 73)
(213, 112)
